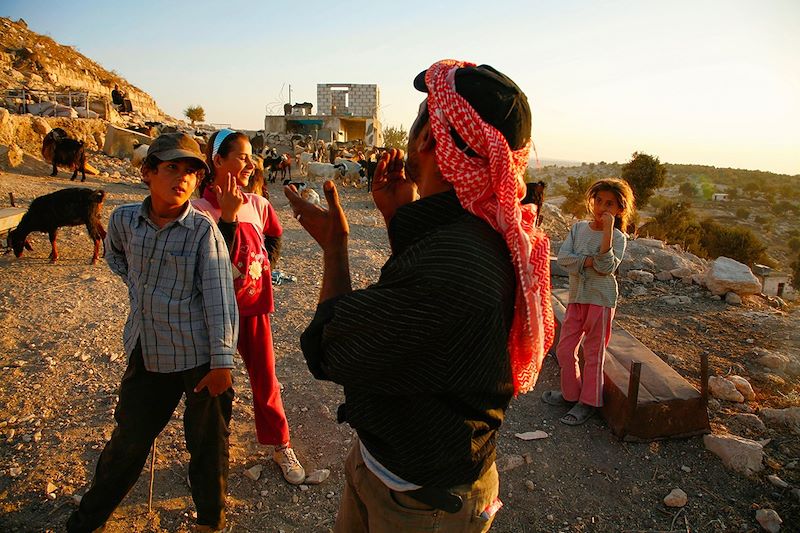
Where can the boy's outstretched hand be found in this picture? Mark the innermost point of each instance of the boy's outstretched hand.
(391, 189)
(217, 381)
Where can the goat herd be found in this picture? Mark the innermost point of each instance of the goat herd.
(83, 206)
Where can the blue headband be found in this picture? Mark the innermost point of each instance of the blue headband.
(218, 140)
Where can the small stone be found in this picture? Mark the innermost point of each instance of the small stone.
(778, 482)
(330, 495)
(304, 488)
(509, 462)
(76, 498)
(676, 498)
(254, 472)
(640, 275)
(733, 299)
(551, 518)
(769, 520)
(532, 435)
(14, 471)
(686, 469)
(317, 476)
(529, 485)
(664, 275)
(724, 389)
(743, 386)
(265, 493)
(37, 436)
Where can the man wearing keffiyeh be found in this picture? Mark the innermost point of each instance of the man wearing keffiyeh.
(457, 324)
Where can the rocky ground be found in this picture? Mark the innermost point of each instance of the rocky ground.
(61, 359)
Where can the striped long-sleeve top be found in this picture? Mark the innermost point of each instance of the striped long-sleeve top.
(422, 353)
(180, 287)
(594, 285)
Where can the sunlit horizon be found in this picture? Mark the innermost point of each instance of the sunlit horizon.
(711, 83)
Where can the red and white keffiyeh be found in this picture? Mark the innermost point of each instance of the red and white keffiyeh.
(490, 187)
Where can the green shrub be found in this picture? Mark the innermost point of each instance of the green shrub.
(687, 190)
(735, 242)
(742, 212)
(675, 223)
(644, 173)
(575, 201)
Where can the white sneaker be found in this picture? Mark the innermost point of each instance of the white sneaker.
(293, 471)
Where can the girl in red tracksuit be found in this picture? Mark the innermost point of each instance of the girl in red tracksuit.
(247, 221)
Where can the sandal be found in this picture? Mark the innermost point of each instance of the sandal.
(578, 415)
(554, 397)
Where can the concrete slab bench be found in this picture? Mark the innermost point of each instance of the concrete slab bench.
(644, 398)
(9, 219)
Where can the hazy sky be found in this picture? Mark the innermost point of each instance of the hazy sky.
(691, 81)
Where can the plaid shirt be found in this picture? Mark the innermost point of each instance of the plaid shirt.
(180, 286)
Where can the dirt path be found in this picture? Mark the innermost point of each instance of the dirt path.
(61, 359)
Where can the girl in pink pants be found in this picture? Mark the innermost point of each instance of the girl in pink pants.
(251, 229)
(591, 254)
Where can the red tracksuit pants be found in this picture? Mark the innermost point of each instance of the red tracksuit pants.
(255, 347)
(591, 324)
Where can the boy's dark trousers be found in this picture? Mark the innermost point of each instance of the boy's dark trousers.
(146, 403)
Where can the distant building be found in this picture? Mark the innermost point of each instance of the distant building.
(345, 112)
(774, 283)
(719, 197)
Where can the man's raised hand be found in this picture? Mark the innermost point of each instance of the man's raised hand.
(391, 189)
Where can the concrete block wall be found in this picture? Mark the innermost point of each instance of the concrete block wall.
(362, 100)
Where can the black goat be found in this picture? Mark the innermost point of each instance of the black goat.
(534, 194)
(67, 207)
(59, 149)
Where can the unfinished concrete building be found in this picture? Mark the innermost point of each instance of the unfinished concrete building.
(345, 112)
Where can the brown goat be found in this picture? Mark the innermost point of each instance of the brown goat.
(60, 150)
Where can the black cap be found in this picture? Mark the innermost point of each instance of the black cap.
(495, 97)
(170, 146)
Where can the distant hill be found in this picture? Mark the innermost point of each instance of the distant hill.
(544, 162)
(33, 61)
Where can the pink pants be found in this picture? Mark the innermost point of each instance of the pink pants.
(592, 324)
(255, 347)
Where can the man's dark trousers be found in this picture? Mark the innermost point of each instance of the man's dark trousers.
(146, 403)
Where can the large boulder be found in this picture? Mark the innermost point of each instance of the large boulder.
(11, 156)
(728, 275)
(120, 142)
(737, 453)
(40, 125)
(653, 256)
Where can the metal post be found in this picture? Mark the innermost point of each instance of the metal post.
(152, 477)
(704, 378)
(633, 392)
